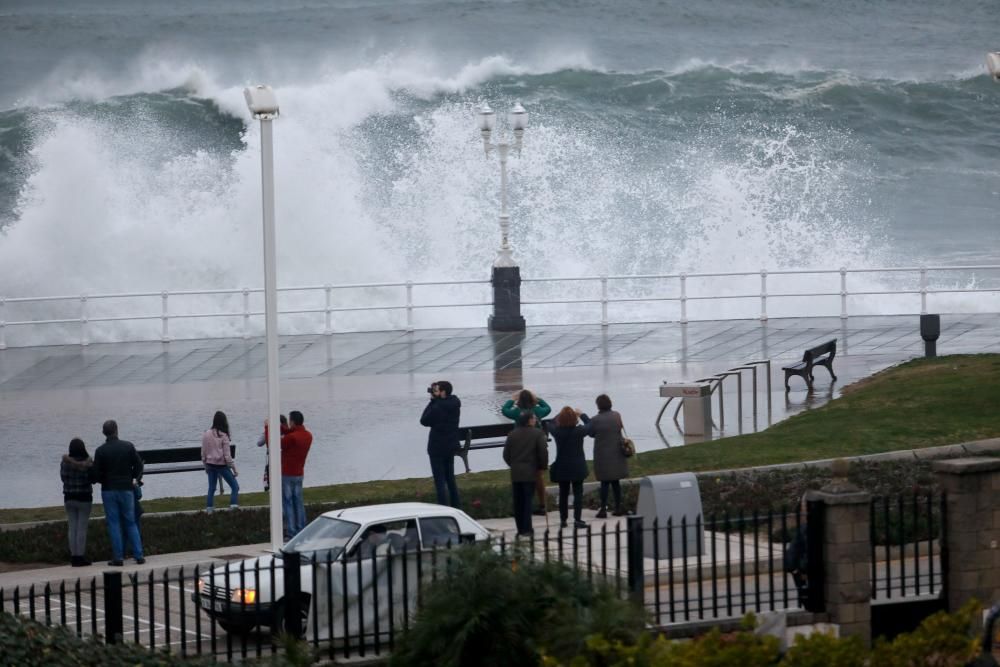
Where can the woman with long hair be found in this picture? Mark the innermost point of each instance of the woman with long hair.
(527, 402)
(78, 498)
(570, 467)
(218, 460)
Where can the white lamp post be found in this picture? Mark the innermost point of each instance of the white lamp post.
(263, 106)
(518, 122)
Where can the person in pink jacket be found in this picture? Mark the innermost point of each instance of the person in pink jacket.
(218, 460)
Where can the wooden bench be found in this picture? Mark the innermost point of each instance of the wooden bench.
(487, 436)
(821, 355)
(174, 459)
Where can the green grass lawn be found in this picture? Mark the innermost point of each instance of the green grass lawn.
(922, 403)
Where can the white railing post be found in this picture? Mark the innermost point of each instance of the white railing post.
(684, 299)
(923, 291)
(3, 323)
(246, 313)
(329, 312)
(763, 295)
(409, 306)
(84, 341)
(164, 318)
(604, 301)
(843, 293)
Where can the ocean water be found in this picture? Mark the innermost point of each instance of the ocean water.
(664, 136)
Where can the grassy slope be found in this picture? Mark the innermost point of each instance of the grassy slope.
(922, 403)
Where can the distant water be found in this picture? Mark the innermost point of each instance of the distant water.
(664, 136)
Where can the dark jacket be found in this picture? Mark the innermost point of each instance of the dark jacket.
(75, 474)
(526, 453)
(442, 415)
(609, 462)
(116, 464)
(570, 464)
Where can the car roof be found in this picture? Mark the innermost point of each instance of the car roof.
(390, 511)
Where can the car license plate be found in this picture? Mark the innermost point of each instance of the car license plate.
(214, 605)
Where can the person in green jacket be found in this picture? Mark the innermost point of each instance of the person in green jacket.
(525, 401)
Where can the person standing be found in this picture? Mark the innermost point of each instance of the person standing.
(118, 468)
(218, 460)
(570, 467)
(295, 444)
(442, 415)
(264, 441)
(522, 402)
(610, 463)
(78, 498)
(526, 453)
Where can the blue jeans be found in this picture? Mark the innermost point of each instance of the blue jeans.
(443, 469)
(291, 505)
(119, 513)
(214, 473)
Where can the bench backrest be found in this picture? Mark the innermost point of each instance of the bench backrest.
(490, 431)
(829, 346)
(175, 455)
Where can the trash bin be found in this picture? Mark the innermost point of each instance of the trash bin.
(669, 499)
(697, 399)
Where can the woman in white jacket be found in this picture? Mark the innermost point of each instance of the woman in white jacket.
(218, 460)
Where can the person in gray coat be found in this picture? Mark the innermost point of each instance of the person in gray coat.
(610, 464)
(526, 453)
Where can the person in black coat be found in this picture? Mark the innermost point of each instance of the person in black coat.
(442, 415)
(570, 467)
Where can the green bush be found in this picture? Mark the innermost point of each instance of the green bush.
(823, 650)
(494, 609)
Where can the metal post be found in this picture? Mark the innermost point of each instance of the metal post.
(409, 306)
(636, 586)
(923, 291)
(114, 626)
(684, 299)
(271, 326)
(164, 318)
(292, 570)
(763, 295)
(83, 321)
(329, 310)
(3, 323)
(843, 293)
(246, 313)
(604, 301)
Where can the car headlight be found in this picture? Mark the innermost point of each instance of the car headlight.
(244, 596)
(201, 586)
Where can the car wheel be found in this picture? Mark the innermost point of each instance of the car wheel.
(278, 624)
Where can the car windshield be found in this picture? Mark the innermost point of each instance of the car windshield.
(323, 539)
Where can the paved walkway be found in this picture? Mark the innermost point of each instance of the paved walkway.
(362, 393)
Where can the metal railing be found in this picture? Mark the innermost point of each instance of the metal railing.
(908, 556)
(152, 321)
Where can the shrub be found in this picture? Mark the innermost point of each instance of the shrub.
(506, 609)
(941, 640)
(824, 650)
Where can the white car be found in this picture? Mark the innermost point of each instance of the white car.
(360, 566)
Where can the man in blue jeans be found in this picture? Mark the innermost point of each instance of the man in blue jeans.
(442, 415)
(118, 468)
(295, 444)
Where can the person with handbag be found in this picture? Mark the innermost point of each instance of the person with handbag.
(611, 453)
(218, 461)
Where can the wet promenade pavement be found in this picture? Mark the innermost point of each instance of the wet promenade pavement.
(362, 393)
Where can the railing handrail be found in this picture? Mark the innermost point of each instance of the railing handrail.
(682, 295)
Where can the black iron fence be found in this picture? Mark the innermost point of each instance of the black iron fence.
(683, 570)
(908, 554)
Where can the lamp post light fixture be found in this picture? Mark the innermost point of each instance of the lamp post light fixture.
(518, 122)
(263, 106)
(506, 276)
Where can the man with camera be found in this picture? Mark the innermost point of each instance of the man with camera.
(441, 415)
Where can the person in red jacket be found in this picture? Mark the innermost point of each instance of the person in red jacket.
(295, 445)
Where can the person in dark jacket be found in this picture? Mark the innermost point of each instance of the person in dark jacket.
(610, 464)
(78, 498)
(526, 453)
(570, 467)
(522, 402)
(118, 468)
(442, 415)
